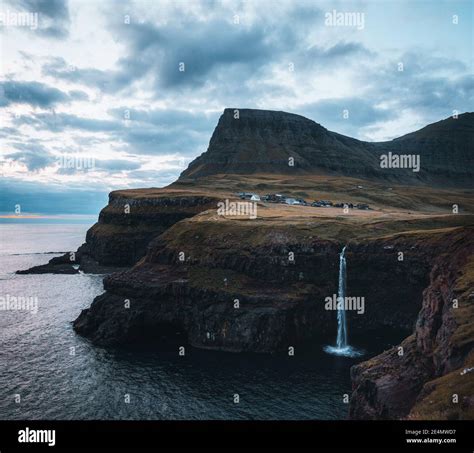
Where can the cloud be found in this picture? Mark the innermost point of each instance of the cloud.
(58, 122)
(339, 52)
(53, 16)
(167, 117)
(105, 81)
(190, 53)
(346, 113)
(147, 132)
(35, 94)
(431, 86)
(34, 156)
(108, 166)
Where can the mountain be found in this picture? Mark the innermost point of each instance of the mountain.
(264, 141)
(446, 147)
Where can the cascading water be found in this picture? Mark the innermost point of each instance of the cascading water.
(342, 347)
(341, 294)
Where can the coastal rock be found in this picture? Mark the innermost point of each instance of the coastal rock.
(389, 385)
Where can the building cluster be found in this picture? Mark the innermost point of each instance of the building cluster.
(278, 198)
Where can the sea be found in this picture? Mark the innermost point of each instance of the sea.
(47, 371)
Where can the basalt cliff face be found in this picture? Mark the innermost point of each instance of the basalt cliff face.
(193, 275)
(262, 141)
(237, 290)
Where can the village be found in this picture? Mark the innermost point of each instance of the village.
(278, 198)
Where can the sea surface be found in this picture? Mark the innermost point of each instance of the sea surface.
(60, 375)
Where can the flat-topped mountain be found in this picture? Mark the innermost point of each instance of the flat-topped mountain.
(248, 141)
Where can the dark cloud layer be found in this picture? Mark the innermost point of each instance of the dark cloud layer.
(36, 94)
(186, 54)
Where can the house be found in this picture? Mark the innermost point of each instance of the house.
(295, 201)
(321, 204)
(248, 196)
(273, 198)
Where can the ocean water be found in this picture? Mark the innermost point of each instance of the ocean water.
(60, 375)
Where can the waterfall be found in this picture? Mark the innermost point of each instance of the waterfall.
(341, 294)
(342, 347)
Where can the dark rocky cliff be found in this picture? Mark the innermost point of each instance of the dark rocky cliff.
(227, 262)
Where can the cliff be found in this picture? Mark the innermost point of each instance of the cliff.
(125, 227)
(431, 376)
(192, 274)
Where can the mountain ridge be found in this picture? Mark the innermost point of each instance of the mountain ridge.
(249, 141)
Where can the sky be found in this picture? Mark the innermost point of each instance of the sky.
(97, 96)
